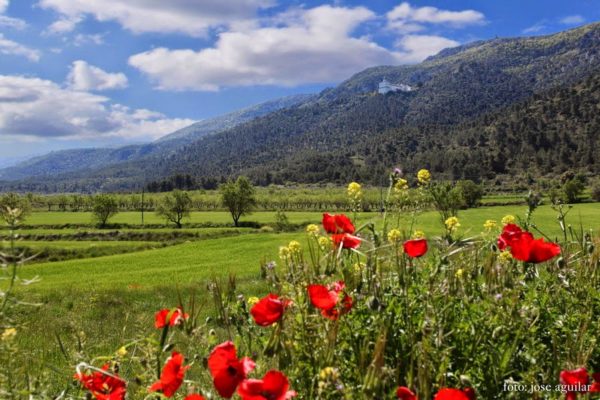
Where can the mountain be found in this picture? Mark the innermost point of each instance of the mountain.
(462, 98)
(58, 162)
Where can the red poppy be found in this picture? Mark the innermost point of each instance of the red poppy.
(327, 299)
(194, 397)
(404, 393)
(455, 394)
(510, 233)
(227, 370)
(103, 385)
(273, 386)
(347, 241)
(175, 317)
(171, 376)
(524, 247)
(415, 248)
(575, 381)
(337, 224)
(596, 385)
(268, 310)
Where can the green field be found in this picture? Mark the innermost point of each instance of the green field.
(110, 298)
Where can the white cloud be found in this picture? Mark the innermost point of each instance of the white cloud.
(535, 28)
(303, 46)
(406, 18)
(572, 20)
(64, 25)
(84, 76)
(9, 22)
(191, 17)
(32, 108)
(84, 39)
(9, 47)
(418, 47)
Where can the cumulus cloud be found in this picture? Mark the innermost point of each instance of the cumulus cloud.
(10, 47)
(33, 108)
(64, 24)
(302, 46)
(84, 76)
(572, 20)
(191, 17)
(406, 18)
(418, 47)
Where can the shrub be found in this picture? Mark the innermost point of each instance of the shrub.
(470, 192)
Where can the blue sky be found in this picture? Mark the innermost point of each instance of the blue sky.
(81, 73)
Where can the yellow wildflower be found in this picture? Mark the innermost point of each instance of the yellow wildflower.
(284, 253)
(253, 300)
(359, 266)
(312, 229)
(328, 373)
(489, 225)
(424, 176)
(324, 242)
(294, 247)
(122, 352)
(9, 334)
(400, 186)
(394, 236)
(508, 219)
(354, 191)
(452, 224)
(419, 235)
(505, 256)
(459, 273)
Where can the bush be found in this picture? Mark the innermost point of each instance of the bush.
(470, 192)
(595, 191)
(12, 201)
(573, 189)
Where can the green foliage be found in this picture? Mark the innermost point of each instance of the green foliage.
(238, 197)
(104, 207)
(470, 192)
(573, 189)
(446, 199)
(12, 201)
(174, 207)
(595, 189)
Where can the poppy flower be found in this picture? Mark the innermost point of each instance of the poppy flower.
(337, 224)
(404, 393)
(329, 301)
(455, 394)
(103, 385)
(575, 381)
(347, 241)
(595, 388)
(268, 310)
(171, 376)
(273, 386)
(415, 248)
(175, 317)
(194, 397)
(524, 247)
(227, 370)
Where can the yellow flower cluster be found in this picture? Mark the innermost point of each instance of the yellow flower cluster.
(419, 235)
(394, 236)
(354, 191)
(324, 242)
(424, 176)
(400, 186)
(508, 219)
(253, 300)
(312, 229)
(329, 373)
(294, 247)
(122, 352)
(284, 253)
(452, 224)
(490, 225)
(9, 334)
(459, 273)
(359, 266)
(505, 256)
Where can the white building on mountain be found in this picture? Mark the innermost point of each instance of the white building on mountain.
(386, 87)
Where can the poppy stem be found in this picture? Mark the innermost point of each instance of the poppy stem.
(163, 339)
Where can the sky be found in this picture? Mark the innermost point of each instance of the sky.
(91, 73)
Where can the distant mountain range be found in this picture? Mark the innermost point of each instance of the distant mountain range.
(503, 106)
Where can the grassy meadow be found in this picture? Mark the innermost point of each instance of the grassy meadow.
(105, 290)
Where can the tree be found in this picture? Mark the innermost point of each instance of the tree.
(238, 197)
(104, 207)
(174, 207)
(12, 201)
(470, 192)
